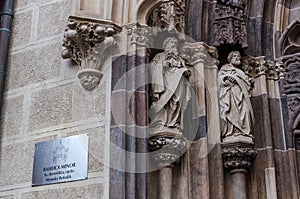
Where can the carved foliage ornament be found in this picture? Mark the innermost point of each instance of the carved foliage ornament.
(140, 35)
(229, 23)
(166, 149)
(199, 52)
(89, 43)
(238, 157)
(257, 66)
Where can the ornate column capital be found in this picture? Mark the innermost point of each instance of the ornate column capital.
(238, 156)
(89, 42)
(167, 148)
(258, 66)
(138, 34)
(194, 53)
(279, 66)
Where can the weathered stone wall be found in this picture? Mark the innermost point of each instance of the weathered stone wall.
(45, 101)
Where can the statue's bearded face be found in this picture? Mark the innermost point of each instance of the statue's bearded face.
(236, 59)
(171, 45)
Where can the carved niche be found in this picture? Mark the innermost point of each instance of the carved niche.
(168, 16)
(229, 23)
(89, 43)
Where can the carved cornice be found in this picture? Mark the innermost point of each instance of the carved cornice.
(140, 35)
(167, 148)
(168, 16)
(89, 42)
(233, 3)
(257, 66)
(238, 156)
(194, 53)
(229, 23)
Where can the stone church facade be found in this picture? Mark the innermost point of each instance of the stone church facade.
(179, 98)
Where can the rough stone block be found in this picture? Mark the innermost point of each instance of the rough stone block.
(16, 163)
(12, 116)
(54, 25)
(51, 107)
(7, 197)
(94, 191)
(34, 66)
(21, 29)
(97, 150)
(295, 4)
(96, 147)
(19, 4)
(90, 104)
(294, 14)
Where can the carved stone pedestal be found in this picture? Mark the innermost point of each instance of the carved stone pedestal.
(238, 158)
(166, 149)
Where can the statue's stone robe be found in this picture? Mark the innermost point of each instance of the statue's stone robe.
(167, 80)
(235, 107)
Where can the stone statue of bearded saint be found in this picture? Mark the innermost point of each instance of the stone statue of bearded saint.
(236, 111)
(170, 90)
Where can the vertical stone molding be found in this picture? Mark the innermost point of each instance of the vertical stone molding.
(229, 23)
(89, 43)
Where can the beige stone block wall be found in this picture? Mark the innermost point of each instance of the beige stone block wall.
(44, 100)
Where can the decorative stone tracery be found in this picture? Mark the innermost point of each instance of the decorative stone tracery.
(168, 16)
(140, 35)
(229, 23)
(89, 43)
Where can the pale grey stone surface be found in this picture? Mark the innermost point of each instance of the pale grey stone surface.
(51, 107)
(19, 4)
(54, 25)
(294, 14)
(101, 99)
(90, 104)
(94, 191)
(21, 29)
(96, 149)
(12, 116)
(70, 69)
(34, 66)
(16, 163)
(7, 197)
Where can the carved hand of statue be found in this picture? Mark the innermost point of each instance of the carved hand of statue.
(155, 97)
(230, 80)
(252, 81)
(187, 74)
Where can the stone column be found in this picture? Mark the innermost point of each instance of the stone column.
(165, 182)
(238, 158)
(165, 150)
